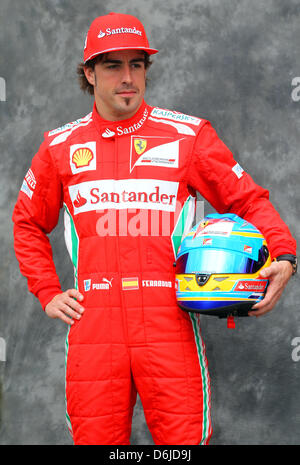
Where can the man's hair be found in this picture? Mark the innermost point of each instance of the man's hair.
(84, 84)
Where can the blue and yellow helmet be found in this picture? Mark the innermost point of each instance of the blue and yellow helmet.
(218, 266)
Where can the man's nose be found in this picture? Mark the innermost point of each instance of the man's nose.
(127, 74)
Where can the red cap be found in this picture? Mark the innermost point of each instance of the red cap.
(115, 31)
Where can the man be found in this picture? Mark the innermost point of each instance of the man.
(126, 175)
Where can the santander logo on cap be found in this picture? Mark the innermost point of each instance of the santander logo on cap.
(119, 30)
(113, 32)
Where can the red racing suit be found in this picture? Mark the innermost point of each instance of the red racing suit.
(128, 192)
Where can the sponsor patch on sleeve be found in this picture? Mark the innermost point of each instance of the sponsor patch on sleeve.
(238, 170)
(28, 184)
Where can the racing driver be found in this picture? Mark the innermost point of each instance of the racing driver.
(126, 176)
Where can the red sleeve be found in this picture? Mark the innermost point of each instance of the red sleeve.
(35, 214)
(223, 183)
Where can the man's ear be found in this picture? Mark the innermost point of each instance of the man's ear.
(89, 74)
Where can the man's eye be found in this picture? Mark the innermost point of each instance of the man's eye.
(112, 66)
(136, 65)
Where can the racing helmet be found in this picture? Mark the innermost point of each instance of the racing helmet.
(218, 267)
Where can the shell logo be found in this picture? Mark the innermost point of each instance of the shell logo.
(82, 157)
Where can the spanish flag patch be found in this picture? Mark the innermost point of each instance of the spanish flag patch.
(129, 284)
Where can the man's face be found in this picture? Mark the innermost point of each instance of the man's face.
(119, 83)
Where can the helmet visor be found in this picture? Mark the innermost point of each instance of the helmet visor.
(212, 261)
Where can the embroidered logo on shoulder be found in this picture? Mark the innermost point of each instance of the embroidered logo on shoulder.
(65, 131)
(175, 116)
(67, 126)
(83, 157)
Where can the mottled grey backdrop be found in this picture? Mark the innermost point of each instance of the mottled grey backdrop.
(230, 61)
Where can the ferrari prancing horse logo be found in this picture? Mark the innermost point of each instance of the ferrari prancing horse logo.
(140, 145)
(153, 151)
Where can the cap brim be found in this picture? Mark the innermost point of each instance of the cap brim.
(151, 51)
